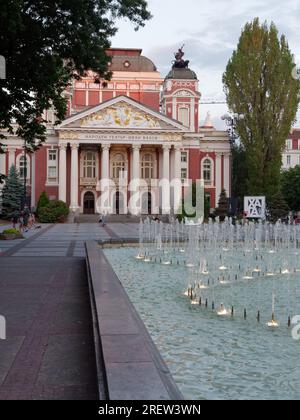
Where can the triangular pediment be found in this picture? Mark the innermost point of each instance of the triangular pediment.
(121, 113)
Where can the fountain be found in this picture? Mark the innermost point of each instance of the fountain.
(222, 258)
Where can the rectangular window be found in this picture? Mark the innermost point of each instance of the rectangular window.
(184, 116)
(288, 160)
(184, 174)
(183, 157)
(52, 166)
(289, 144)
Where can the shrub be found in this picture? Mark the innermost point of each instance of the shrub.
(43, 202)
(54, 212)
(11, 232)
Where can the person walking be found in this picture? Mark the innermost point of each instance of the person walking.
(14, 219)
(21, 222)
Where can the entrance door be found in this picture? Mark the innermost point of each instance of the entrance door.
(147, 203)
(89, 203)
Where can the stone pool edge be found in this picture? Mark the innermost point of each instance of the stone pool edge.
(129, 365)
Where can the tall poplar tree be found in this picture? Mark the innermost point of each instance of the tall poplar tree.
(261, 90)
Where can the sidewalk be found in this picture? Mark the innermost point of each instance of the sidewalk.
(48, 353)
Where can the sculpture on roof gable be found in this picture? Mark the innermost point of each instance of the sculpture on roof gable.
(179, 62)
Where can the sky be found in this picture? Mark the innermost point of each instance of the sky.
(210, 30)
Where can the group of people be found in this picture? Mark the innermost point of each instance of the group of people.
(24, 219)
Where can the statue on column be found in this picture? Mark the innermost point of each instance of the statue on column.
(179, 62)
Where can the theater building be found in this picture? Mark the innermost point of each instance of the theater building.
(135, 126)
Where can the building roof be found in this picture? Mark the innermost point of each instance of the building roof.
(125, 59)
(184, 73)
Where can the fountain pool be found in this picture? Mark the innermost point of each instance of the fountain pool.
(213, 356)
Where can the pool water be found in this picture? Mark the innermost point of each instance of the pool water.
(213, 357)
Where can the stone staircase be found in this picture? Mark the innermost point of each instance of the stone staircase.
(114, 218)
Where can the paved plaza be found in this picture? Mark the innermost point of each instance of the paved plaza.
(65, 240)
(48, 352)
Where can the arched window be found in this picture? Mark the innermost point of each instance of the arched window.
(118, 166)
(147, 167)
(23, 165)
(207, 171)
(89, 165)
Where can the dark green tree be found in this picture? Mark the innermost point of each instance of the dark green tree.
(239, 172)
(261, 90)
(206, 207)
(277, 207)
(47, 43)
(222, 209)
(43, 202)
(290, 187)
(12, 194)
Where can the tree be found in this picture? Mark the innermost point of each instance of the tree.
(12, 194)
(43, 202)
(47, 43)
(290, 187)
(222, 209)
(206, 207)
(239, 172)
(277, 207)
(261, 90)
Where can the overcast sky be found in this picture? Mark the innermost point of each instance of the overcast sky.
(210, 30)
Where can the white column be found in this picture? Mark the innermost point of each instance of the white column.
(135, 199)
(136, 161)
(33, 180)
(11, 157)
(174, 109)
(227, 174)
(74, 177)
(105, 180)
(218, 177)
(177, 185)
(166, 208)
(192, 116)
(2, 164)
(62, 189)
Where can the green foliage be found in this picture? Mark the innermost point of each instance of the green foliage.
(239, 172)
(46, 44)
(11, 232)
(277, 207)
(54, 212)
(290, 187)
(259, 86)
(12, 194)
(43, 202)
(206, 207)
(222, 209)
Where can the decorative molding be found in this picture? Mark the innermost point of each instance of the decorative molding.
(121, 115)
(105, 147)
(68, 135)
